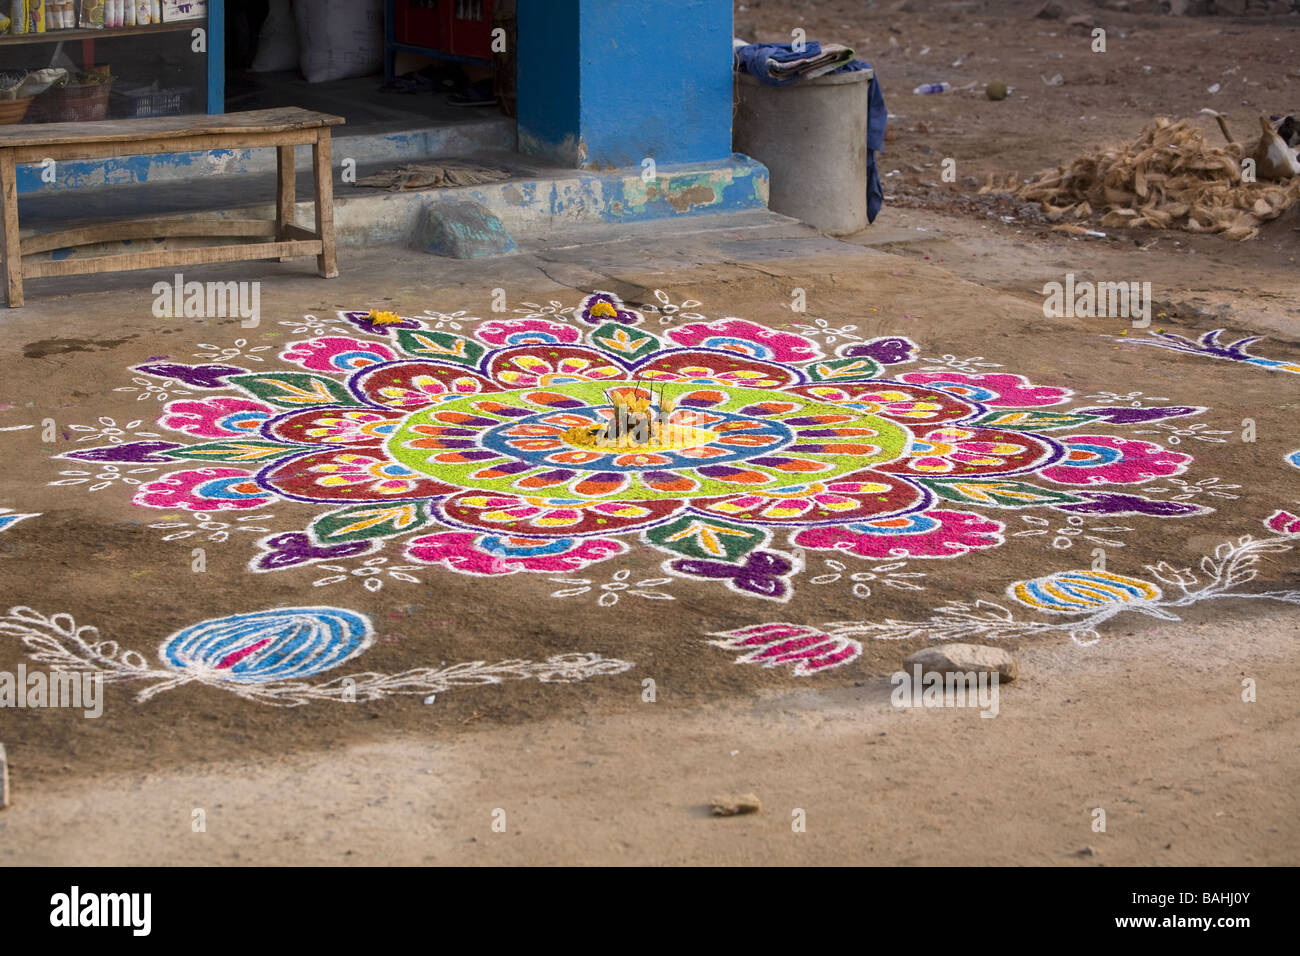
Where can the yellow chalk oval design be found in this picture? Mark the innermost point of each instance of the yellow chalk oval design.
(1076, 592)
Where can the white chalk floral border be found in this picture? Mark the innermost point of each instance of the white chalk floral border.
(66, 647)
(1090, 598)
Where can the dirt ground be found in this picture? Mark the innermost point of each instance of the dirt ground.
(1153, 734)
(1148, 724)
(1153, 65)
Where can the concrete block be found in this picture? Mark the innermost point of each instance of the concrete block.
(462, 229)
(812, 136)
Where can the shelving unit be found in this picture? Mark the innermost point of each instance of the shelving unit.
(54, 36)
(216, 44)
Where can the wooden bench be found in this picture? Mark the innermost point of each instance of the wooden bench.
(281, 238)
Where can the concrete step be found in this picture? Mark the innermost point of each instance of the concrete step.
(535, 201)
(468, 133)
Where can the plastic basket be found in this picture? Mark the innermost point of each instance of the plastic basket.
(146, 102)
(74, 103)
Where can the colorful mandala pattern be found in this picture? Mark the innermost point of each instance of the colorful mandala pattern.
(456, 445)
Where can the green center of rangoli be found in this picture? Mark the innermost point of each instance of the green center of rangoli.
(732, 440)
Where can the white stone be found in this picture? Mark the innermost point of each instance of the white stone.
(955, 658)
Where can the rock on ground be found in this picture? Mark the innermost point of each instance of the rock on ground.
(962, 658)
(731, 805)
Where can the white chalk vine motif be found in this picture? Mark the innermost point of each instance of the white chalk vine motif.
(1182, 490)
(669, 312)
(240, 350)
(619, 584)
(455, 321)
(827, 332)
(970, 366)
(263, 655)
(159, 391)
(108, 429)
(1063, 536)
(206, 526)
(890, 575)
(1132, 399)
(371, 573)
(104, 477)
(1091, 598)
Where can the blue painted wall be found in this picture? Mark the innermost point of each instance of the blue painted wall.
(610, 82)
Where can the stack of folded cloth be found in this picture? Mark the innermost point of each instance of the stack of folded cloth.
(782, 63)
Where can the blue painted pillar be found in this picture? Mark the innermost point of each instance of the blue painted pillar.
(608, 83)
(216, 56)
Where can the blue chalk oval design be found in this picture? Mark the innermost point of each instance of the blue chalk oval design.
(265, 646)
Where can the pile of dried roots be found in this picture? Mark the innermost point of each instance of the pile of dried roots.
(1169, 178)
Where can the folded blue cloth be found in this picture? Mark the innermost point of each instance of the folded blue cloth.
(757, 58)
(752, 59)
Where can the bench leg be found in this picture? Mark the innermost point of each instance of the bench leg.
(9, 244)
(326, 263)
(285, 194)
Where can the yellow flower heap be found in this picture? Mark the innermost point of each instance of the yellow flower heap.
(635, 423)
(377, 317)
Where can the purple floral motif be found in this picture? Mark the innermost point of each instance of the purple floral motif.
(136, 451)
(601, 307)
(890, 351)
(196, 376)
(1207, 344)
(295, 547)
(1111, 503)
(762, 574)
(1124, 415)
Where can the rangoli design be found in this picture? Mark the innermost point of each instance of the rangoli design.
(485, 453)
(1209, 345)
(265, 656)
(1085, 598)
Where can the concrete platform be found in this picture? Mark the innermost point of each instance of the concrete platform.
(535, 201)
(382, 128)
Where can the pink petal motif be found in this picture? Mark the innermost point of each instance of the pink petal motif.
(526, 332)
(414, 385)
(928, 534)
(203, 489)
(1283, 522)
(746, 338)
(771, 645)
(333, 425)
(471, 553)
(999, 390)
(1105, 459)
(349, 474)
(336, 353)
(215, 417)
